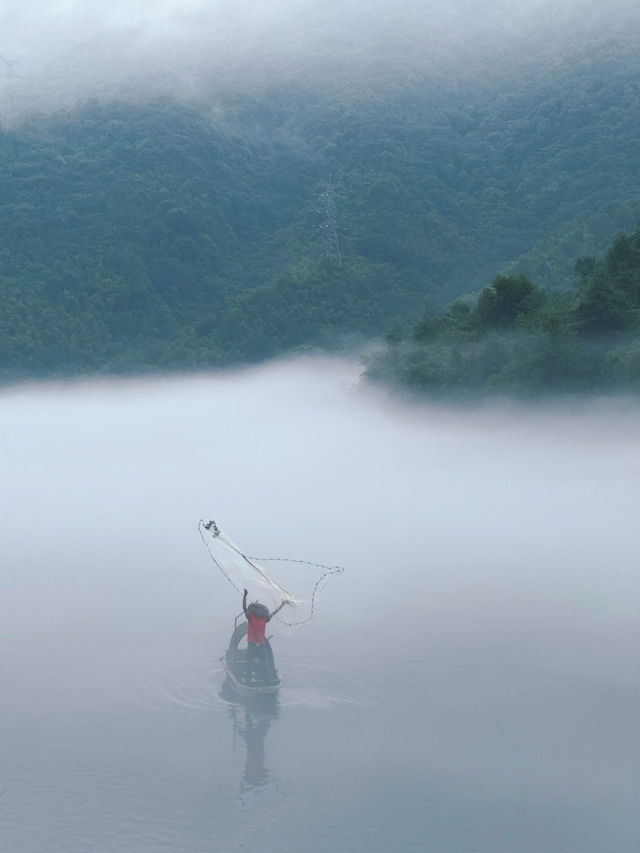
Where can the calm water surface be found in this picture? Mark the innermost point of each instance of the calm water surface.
(469, 684)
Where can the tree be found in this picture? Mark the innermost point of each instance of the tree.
(602, 308)
(507, 298)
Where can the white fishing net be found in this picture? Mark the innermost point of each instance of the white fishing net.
(245, 572)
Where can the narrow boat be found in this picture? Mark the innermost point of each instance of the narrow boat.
(264, 682)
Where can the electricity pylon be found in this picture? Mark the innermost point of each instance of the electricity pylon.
(329, 225)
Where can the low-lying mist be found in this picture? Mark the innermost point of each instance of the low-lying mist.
(481, 524)
(470, 680)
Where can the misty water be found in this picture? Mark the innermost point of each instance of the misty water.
(470, 683)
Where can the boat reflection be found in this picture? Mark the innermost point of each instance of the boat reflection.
(251, 719)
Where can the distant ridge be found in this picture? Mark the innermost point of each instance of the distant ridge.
(160, 235)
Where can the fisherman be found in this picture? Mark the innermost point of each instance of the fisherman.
(258, 649)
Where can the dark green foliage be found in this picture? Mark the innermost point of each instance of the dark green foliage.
(505, 300)
(610, 291)
(520, 339)
(154, 236)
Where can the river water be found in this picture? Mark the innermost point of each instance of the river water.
(470, 683)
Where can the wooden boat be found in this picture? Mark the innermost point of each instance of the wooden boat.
(263, 683)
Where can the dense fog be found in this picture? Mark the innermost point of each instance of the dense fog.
(51, 56)
(494, 519)
(470, 680)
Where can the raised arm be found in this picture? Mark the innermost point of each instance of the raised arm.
(244, 605)
(277, 610)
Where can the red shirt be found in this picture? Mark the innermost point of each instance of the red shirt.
(256, 628)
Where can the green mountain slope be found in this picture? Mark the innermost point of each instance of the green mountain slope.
(520, 339)
(164, 235)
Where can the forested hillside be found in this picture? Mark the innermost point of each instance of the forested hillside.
(519, 339)
(161, 234)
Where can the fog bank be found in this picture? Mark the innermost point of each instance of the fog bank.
(493, 519)
(471, 679)
(54, 55)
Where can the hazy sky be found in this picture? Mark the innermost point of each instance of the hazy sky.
(63, 50)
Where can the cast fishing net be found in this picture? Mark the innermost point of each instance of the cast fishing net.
(245, 572)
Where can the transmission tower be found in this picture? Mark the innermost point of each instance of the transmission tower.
(329, 225)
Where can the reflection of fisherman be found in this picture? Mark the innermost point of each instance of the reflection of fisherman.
(255, 733)
(259, 714)
(258, 649)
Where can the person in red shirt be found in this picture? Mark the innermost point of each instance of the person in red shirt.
(258, 648)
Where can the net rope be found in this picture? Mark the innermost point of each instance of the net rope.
(241, 570)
